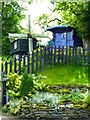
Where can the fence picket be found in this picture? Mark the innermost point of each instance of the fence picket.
(88, 55)
(44, 56)
(36, 59)
(48, 54)
(32, 61)
(54, 62)
(59, 54)
(15, 65)
(69, 54)
(40, 58)
(84, 55)
(19, 65)
(75, 55)
(62, 54)
(66, 55)
(79, 54)
(51, 53)
(6, 67)
(2, 67)
(10, 66)
(24, 61)
(28, 63)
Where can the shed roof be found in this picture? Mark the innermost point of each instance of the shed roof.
(59, 29)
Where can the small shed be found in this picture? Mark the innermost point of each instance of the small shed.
(21, 44)
(64, 36)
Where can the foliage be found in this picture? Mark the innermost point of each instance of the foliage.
(11, 17)
(75, 14)
(26, 84)
(13, 85)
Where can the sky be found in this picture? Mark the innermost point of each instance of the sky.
(35, 10)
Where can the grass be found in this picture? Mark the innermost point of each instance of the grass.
(66, 74)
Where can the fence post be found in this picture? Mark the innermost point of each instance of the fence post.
(62, 54)
(36, 59)
(84, 54)
(15, 65)
(44, 56)
(51, 53)
(28, 63)
(66, 55)
(54, 55)
(79, 54)
(48, 54)
(32, 61)
(69, 54)
(10, 66)
(88, 55)
(40, 58)
(75, 55)
(58, 53)
(6, 67)
(19, 65)
(1, 67)
(24, 61)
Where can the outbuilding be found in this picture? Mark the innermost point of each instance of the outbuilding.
(64, 36)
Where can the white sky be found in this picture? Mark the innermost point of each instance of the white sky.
(36, 9)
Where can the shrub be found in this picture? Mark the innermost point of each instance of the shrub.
(26, 84)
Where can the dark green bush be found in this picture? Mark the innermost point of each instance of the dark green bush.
(26, 84)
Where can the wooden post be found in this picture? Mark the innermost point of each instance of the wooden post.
(24, 61)
(75, 55)
(19, 65)
(79, 54)
(1, 67)
(6, 67)
(48, 54)
(45, 56)
(62, 54)
(36, 59)
(54, 62)
(32, 61)
(88, 55)
(28, 63)
(58, 53)
(51, 53)
(10, 66)
(84, 55)
(40, 58)
(66, 55)
(69, 54)
(15, 65)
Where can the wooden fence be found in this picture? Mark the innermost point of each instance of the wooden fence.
(42, 57)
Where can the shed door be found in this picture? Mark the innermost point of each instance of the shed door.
(63, 39)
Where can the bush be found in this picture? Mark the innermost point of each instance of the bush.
(26, 84)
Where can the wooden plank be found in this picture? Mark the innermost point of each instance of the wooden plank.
(44, 56)
(24, 61)
(10, 66)
(15, 65)
(79, 54)
(6, 67)
(19, 65)
(84, 55)
(32, 61)
(28, 63)
(40, 58)
(51, 53)
(36, 59)
(87, 55)
(66, 55)
(54, 62)
(48, 54)
(2, 67)
(58, 53)
(62, 57)
(75, 55)
(69, 54)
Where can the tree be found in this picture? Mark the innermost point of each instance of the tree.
(74, 14)
(11, 18)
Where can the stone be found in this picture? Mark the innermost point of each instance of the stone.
(22, 115)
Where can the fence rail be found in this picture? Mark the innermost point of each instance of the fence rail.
(44, 56)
